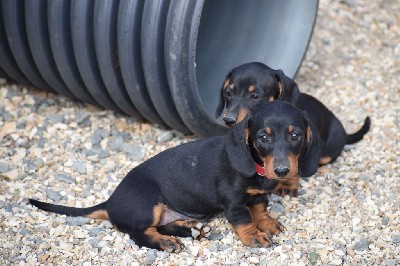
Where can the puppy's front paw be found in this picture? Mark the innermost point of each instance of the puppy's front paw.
(251, 236)
(263, 221)
(271, 226)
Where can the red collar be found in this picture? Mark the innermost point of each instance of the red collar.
(261, 171)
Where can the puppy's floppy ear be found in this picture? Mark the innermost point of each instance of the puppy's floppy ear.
(238, 150)
(288, 90)
(311, 153)
(221, 103)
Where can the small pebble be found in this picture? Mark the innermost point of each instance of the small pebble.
(80, 167)
(99, 135)
(278, 208)
(55, 118)
(151, 256)
(390, 262)
(65, 178)
(4, 168)
(77, 221)
(81, 116)
(134, 151)
(51, 194)
(313, 257)
(361, 245)
(166, 136)
(396, 239)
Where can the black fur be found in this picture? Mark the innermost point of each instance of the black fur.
(198, 180)
(275, 85)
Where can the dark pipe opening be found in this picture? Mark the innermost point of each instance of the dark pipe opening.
(233, 32)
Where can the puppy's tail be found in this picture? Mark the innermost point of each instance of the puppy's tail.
(96, 212)
(355, 137)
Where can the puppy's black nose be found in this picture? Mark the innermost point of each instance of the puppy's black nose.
(281, 172)
(229, 121)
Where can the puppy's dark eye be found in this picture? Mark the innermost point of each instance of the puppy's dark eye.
(264, 138)
(228, 94)
(254, 96)
(295, 136)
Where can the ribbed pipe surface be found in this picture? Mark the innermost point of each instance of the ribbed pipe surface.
(161, 61)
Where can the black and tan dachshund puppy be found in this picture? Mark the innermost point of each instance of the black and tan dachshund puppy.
(247, 85)
(169, 194)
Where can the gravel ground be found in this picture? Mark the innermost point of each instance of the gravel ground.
(54, 149)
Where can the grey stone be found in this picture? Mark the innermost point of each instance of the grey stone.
(23, 143)
(301, 192)
(55, 118)
(134, 151)
(361, 245)
(361, 199)
(396, 239)
(6, 115)
(50, 101)
(151, 256)
(390, 262)
(96, 231)
(4, 168)
(21, 125)
(216, 236)
(77, 221)
(81, 116)
(117, 143)
(214, 247)
(80, 167)
(276, 198)
(166, 136)
(65, 178)
(30, 167)
(94, 242)
(99, 135)
(385, 221)
(51, 194)
(8, 207)
(42, 143)
(277, 208)
(107, 224)
(103, 154)
(289, 242)
(125, 135)
(25, 232)
(339, 179)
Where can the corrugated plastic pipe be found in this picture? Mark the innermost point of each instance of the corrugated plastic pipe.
(156, 60)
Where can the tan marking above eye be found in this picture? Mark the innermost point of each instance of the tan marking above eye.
(232, 87)
(268, 131)
(226, 83)
(251, 88)
(271, 98)
(290, 129)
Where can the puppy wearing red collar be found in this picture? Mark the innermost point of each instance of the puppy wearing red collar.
(172, 192)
